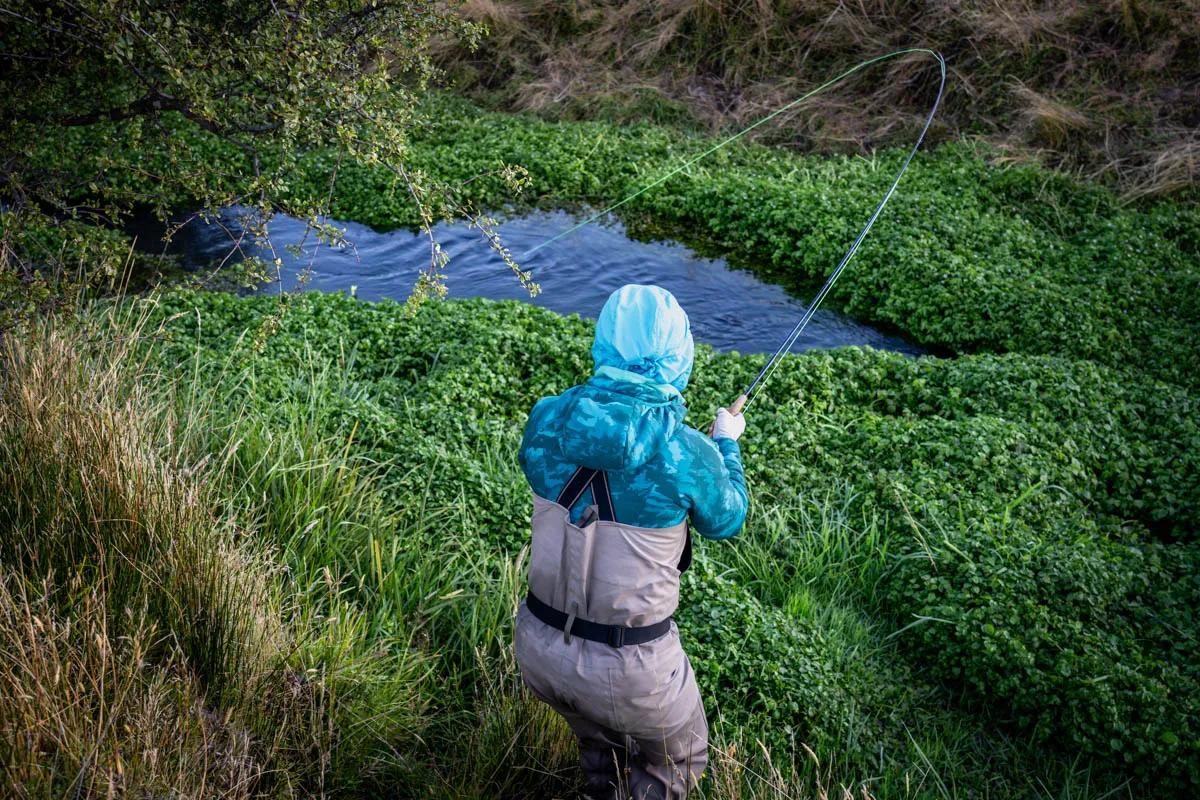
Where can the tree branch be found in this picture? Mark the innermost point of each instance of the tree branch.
(149, 104)
(157, 102)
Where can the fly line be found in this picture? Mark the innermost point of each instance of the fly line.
(772, 363)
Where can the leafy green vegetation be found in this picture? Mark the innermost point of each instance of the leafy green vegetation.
(1003, 533)
(970, 256)
(293, 529)
(268, 81)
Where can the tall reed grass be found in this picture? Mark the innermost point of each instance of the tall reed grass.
(152, 644)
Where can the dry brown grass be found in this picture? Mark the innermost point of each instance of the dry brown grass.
(86, 712)
(1103, 88)
(1048, 122)
(754, 773)
(1171, 169)
(136, 619)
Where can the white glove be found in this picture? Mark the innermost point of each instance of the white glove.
(728, 426)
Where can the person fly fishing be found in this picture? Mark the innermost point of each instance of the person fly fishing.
(616, 479)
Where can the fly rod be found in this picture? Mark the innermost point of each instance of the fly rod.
(751, 391)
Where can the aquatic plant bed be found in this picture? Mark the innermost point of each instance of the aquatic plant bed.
(997, 544)
(970, 255)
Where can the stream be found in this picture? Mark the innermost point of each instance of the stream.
(729, 308)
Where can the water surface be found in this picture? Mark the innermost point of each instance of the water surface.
(729, 308)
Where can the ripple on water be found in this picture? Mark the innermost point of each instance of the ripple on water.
(729, 308)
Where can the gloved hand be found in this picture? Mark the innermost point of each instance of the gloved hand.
(728, 426)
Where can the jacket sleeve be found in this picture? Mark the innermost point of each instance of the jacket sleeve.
(534, 441)
(716, 488)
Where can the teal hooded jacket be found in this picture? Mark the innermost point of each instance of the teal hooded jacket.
(627, 419)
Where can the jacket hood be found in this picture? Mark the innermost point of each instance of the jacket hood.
(643, 330)
(618, 420)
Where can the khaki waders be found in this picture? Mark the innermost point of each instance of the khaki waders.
(595, 641)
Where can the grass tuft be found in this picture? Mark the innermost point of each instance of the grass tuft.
(152, 644)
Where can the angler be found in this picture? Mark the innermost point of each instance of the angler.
(617, 478)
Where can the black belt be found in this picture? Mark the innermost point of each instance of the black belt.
(614, 635)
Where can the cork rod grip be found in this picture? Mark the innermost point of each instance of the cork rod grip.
(734, 408)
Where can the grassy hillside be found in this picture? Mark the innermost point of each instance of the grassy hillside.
(154, 641)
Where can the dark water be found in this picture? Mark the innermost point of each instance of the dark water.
(729, 308)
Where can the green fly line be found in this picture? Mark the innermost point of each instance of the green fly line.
(773, 362)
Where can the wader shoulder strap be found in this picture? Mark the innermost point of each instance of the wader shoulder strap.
(598, 480)
(685, 560)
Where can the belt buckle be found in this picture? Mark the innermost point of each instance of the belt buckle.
(616, 635)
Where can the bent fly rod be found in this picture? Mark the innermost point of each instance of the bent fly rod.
(751, 391)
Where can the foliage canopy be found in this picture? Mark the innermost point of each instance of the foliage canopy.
(270, 80)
